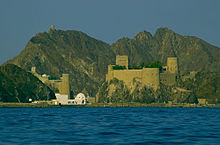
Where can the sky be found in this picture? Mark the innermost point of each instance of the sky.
(106, 20)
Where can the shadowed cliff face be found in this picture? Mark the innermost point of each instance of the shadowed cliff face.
(86, 59)
(17, 85)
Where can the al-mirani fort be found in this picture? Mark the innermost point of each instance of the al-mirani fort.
(151, 77)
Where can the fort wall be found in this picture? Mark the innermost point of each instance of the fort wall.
(62, 85)
(151, 77)
(127, 75)
(147, 76)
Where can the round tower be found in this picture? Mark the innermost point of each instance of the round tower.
(172, 65)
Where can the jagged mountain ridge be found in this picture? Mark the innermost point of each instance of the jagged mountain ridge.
(73, 52)
(193, 53)
(86, 59)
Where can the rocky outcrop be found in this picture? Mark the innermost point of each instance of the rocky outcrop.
(17, 85)
(86, 59)
(116, 91)
(193, 53)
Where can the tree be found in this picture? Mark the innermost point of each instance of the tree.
(155, 64)
(118, 67)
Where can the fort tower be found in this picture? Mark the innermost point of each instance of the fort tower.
(64, 87)
(172, 66)
(151, 77)
(61, 86)
(122, 60)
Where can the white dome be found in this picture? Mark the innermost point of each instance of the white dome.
(80, 99)
(44, 75)
(80, 95)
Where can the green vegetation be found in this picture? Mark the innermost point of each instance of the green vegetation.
(155, 64)
(135, 67)
(53, 78)
(118, 67)
(17, 85)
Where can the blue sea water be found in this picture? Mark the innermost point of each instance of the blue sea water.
(66, 125)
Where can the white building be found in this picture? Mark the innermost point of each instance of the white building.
(79, 100)
(62, 99)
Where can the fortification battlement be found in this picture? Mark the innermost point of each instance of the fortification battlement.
(122, 60)
(148, 76)
(62, 85)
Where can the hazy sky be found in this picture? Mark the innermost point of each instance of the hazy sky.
(106, 20)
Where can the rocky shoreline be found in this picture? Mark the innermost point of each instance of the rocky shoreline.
(14, 105)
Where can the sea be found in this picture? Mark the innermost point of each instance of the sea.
(121, 125)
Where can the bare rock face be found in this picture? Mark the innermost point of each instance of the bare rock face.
(116, 91)
(17, 85)
(86, 59)
(56, 52)
(193, 53)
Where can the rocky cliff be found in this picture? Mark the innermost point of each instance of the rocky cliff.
(86, 59)
(193, 53)
(17, 85)
(188, 89)
(55, 52)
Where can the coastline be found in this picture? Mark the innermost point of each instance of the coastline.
(156, 105)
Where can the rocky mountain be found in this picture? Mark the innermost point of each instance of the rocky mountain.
(204, 85)
(56, 52)
(17, 85)
(86, 59)
(193, 53)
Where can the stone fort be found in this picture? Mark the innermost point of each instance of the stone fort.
(62, 85)
(151, 77)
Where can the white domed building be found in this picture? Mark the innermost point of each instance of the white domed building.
(80, 99)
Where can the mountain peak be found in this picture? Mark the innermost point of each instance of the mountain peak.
(143, 35)
(86, 59)
(163, 31)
